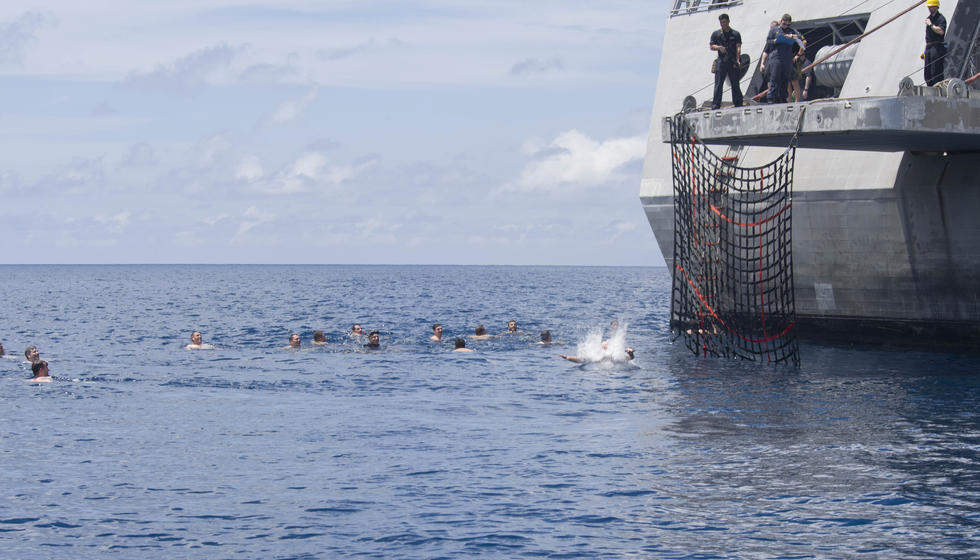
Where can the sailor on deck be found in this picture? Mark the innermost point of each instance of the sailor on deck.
(728, 43)
(935, 44)
(782, 39)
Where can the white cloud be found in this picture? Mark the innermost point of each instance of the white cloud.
(367, 46)
(311, 170)
(253, 217)
(532, 66)
(291, 109)
(577, 160)
(17, 35)
(115, 223)
(249, 169)
(189, 73)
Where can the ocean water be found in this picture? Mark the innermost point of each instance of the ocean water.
(142, 449)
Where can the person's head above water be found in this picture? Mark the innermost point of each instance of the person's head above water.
(545, 336)
(437, 332)
(374, 339)
(512, 326)
(31, 354)
(294, 341)
(196, 338)
(1, 349)
(356, 329)
(460, 343)
(40, 369)
(614, 325)
(318, 336)
(480, 330)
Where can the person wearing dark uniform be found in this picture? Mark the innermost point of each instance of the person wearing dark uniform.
(935, 44)
(781, 38)
(728, 43)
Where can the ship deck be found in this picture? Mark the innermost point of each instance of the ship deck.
(915, 123)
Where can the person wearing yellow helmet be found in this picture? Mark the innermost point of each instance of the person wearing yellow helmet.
(935, 44)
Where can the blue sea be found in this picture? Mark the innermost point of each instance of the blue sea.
(140, 448)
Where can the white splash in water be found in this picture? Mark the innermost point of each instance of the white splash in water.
(595, 349)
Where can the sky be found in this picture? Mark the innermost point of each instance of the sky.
(333, 132)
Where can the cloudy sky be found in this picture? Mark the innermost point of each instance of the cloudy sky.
(329, 131)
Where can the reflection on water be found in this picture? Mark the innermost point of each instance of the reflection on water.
(143, 448)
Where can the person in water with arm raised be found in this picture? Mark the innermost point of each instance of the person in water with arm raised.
(578, 360)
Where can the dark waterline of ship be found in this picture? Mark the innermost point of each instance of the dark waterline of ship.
(250, 451)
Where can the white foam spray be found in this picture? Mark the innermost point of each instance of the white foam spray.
(595, 349)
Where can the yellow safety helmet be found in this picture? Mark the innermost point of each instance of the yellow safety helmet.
(932, 3)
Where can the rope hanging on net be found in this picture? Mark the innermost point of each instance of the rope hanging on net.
(732, 293)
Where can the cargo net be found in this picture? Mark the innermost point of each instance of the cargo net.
(732, 293)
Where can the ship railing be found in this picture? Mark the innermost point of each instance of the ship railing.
(682, 7)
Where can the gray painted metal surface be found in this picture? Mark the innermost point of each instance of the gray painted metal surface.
(886, 229)
(890, 124)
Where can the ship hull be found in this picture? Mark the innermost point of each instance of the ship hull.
(882, 265)
(886, 244)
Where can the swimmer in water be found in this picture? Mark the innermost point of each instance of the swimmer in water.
(436, 333)
(577, 360)
(545, 338)
(40, 370)
(294, 342)
(1, 349)
(460, 346)
(319, 339)
(31, 354)
(356, 330)
(512, 327)
(480, 333)
(374, 341)
(197, 342)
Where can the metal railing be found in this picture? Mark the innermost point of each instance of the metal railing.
(682, 7)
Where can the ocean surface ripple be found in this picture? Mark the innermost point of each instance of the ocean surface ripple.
(140, 447)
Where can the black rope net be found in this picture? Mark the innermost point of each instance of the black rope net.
(732, 292)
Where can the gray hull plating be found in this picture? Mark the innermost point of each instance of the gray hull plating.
(886, 244)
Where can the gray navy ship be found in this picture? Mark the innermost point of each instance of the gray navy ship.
(886, 193)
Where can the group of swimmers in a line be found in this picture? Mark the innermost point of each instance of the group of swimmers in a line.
(374, 339)
(39, 367)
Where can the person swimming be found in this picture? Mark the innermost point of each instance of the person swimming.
(460, 346)
(40, 371)
(480, 333)
(197, 342)
(374, 340)
(294, 342)
(31, 354)
(319, 339)
(356, 330)
(512, 327)
(436, 333)
(578, 360)
(545, 337)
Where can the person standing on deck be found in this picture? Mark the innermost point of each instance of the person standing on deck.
(780, 61)
(728, 43)
(935, 44)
